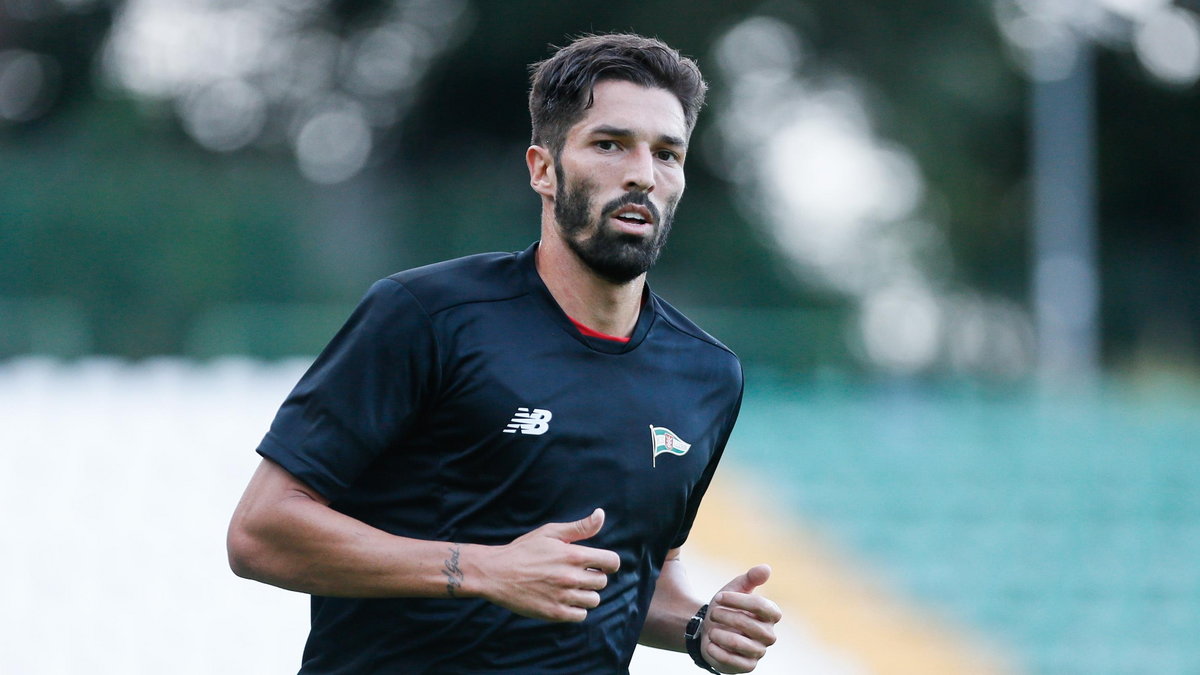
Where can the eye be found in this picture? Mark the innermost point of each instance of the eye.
(606, 146)
(667, 156)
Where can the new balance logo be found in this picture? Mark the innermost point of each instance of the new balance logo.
(532, 422)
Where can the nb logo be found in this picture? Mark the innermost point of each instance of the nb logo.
(532, 422)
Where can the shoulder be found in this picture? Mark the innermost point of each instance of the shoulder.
(694, 337)
(685, 327)
(484, 277)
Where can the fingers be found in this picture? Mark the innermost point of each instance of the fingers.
(585, 556)
(564, 614)
(579, 530)
(594, 580)
(729, 662)
(573, 604)
(752, 579)
(598, 559)
(758, 575)
(734, 640)
(734, 622)
(546, 575)
(755, 606)
(741, 625)
(732, 643)
(583, 599)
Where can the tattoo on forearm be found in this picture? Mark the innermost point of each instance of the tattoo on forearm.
(454, 573)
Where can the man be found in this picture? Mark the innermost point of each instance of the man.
(493, 465)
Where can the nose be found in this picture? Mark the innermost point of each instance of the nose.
(639, 169)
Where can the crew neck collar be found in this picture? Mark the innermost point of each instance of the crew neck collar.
(528, 264)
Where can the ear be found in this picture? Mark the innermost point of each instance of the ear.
(541, 170)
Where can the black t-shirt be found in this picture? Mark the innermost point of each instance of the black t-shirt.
(459, 403)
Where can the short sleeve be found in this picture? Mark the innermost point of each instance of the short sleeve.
(701, 488)
(362, 394)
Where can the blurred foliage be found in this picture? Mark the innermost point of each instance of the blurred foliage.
(107, 206)
(1150, 212)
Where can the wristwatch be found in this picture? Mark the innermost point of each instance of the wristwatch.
(691, 637)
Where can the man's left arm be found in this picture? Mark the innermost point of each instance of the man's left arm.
(737, 629)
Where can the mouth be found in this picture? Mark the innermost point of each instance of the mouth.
(633, 219)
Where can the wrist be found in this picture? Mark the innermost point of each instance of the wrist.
(692, 636)
(461, 570)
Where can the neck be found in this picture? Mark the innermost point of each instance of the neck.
(583, 295)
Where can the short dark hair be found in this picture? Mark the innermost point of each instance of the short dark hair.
(562, 85)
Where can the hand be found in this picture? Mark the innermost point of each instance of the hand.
(544, 574)
(740, 625)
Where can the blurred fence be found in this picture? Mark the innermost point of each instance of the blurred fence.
(788, 338)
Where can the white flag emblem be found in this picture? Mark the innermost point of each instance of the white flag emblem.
(665, 440)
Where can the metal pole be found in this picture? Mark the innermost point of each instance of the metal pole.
(1065, 278)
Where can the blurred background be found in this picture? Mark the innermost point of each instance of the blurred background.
(956, 244)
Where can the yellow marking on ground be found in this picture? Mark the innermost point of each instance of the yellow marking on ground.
(836, 599)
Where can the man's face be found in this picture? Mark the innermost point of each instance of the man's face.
(619, 178)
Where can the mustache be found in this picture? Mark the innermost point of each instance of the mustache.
(639, 198)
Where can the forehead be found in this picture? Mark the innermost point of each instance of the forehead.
(625, 105)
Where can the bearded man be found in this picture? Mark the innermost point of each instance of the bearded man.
(494, 464)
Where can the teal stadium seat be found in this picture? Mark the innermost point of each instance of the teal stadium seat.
(1065, 527)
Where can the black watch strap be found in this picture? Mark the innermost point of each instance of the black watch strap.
(691, 637)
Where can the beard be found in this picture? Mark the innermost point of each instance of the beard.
(615, 256)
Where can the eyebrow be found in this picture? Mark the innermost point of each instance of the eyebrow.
(620, 132)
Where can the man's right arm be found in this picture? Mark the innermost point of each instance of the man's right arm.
(285, 534)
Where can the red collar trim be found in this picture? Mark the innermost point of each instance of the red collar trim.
(597, 334)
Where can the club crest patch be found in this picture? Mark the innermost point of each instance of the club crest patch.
(663, 440)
